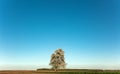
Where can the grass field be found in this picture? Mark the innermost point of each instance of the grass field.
(67, 71)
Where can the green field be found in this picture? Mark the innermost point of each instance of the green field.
(81, 73)
(89, 73)
(66, 71)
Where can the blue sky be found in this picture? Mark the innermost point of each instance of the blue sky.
(87, 30)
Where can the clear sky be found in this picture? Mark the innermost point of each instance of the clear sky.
(87, 30)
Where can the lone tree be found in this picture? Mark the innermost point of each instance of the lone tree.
(57, 60)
